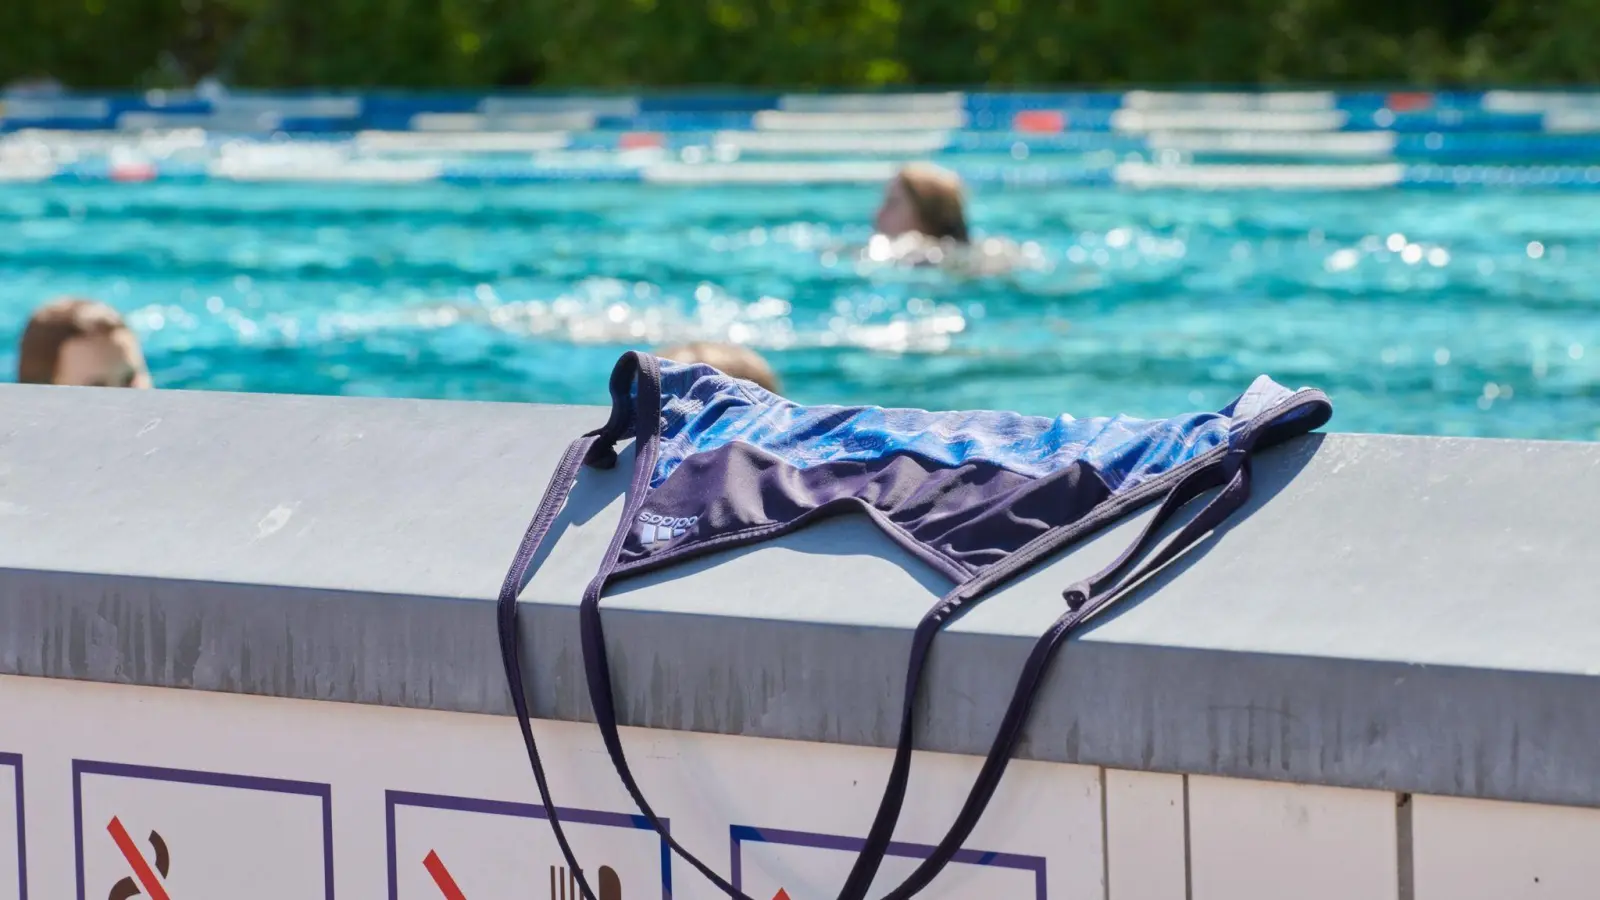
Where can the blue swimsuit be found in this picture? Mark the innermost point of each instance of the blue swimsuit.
(979, 496)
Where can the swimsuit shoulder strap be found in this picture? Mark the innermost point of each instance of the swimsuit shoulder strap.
(1228, 467)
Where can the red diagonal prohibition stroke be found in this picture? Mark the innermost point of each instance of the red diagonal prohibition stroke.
(141, 869)
(441, 877)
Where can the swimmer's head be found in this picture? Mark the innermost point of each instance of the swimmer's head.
(80, 342)
(729, 359)
(926, 199)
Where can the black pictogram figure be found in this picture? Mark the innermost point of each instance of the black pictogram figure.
(564, 885)
(127, 887)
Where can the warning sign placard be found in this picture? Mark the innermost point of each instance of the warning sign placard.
(460, 848)
(176, 834)
(13, 834)
(799, 865)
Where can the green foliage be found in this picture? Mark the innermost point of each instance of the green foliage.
(797, 43)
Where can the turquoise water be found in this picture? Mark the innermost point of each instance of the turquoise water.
(1420, 313)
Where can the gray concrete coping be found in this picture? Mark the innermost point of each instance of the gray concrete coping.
(1411, 614)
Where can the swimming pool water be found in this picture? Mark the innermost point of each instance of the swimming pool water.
(1434, 313)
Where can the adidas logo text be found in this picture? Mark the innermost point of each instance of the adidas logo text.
(658, 529)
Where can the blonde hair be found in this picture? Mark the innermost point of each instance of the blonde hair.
(55, 323)
(729, 359)
(937, 195)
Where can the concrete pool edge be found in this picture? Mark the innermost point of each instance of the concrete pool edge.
(1406, 614)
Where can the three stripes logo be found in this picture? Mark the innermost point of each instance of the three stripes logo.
(655, 529)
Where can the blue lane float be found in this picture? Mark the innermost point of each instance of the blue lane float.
(987, 175)
(1440, 147)
(321, 112)
(1314, 140)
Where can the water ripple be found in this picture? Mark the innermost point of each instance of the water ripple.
(1433, 313)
